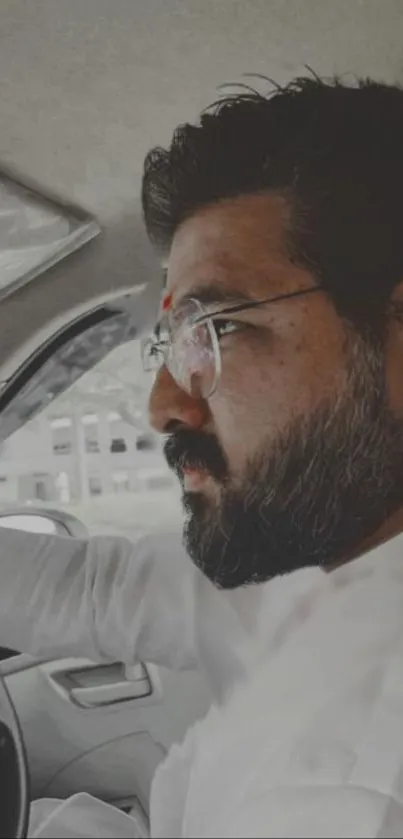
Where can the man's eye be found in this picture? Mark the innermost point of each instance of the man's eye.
(226, 327)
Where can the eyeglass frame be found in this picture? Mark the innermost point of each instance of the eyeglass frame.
(163, 346)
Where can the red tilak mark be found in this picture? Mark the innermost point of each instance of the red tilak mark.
(167, 302)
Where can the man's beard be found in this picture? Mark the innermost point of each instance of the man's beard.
(310, 498)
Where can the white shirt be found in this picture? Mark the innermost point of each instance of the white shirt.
(306, 736)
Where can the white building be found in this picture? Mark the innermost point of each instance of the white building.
(70, 457)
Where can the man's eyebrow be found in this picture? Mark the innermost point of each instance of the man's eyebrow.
(209, 295)
(214, 294)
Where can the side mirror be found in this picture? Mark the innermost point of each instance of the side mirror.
(49, 522)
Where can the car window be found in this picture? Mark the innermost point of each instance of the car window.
(86, 446)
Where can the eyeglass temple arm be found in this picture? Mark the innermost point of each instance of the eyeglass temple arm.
(240, 307)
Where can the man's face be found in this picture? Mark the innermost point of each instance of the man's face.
(295, 458)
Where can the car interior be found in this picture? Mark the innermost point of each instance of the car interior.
(87, 89)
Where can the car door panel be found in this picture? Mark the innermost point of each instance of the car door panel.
(110, 751)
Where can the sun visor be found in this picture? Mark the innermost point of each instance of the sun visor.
(36, 231)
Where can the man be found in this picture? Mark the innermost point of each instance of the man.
(279, 387)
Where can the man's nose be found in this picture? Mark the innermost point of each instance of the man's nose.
(169, 403)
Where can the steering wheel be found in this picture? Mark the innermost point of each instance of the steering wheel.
(14, 775)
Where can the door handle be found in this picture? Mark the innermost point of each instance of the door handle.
(108, 685)
(89, 685)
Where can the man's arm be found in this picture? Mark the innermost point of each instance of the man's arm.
(105, 598)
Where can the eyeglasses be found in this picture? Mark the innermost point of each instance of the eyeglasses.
(186, 342)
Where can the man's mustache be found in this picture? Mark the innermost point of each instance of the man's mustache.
(195, 450)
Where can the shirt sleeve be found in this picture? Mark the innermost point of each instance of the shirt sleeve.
(104, 598)
(347, 812)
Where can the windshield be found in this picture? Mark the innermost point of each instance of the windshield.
(83, 443)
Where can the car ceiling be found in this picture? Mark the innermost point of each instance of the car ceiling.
(88, 86)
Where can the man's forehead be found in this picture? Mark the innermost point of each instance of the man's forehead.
(235, 248)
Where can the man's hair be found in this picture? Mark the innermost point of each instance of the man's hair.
(334, 151)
